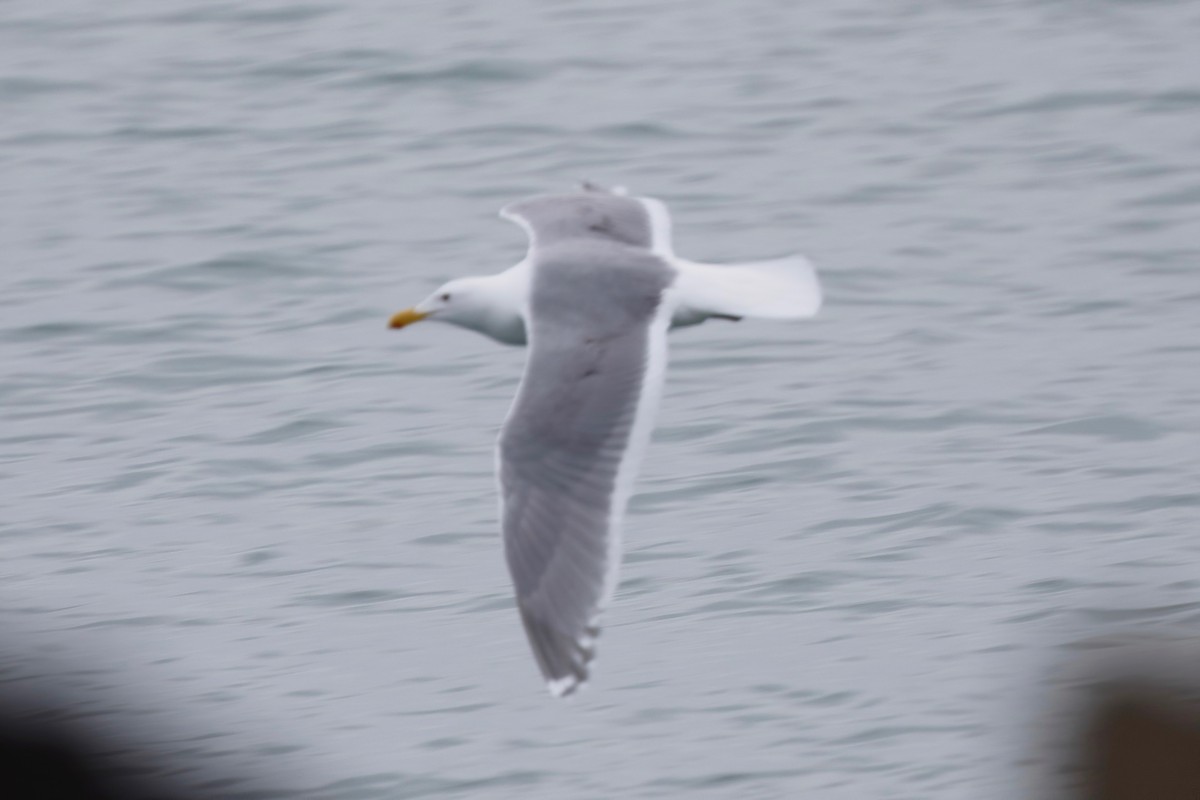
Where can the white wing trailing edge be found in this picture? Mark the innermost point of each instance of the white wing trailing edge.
(660, 227)
(782, 288)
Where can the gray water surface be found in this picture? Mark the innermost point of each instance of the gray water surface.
(246, 523)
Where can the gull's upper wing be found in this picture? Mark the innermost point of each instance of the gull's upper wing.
(594, 213)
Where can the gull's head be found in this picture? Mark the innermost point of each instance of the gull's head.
(489, 304)
(458, 301)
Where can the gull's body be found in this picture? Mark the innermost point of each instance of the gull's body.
(593, 299)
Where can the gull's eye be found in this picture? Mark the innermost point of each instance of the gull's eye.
(445, 295)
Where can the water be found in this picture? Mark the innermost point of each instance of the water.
(247, 525)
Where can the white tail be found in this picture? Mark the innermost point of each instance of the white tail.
(782, 288)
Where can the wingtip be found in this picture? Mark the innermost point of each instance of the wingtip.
(564, 659)
(566, 686)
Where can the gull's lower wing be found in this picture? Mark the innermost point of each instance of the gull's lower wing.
(573, 441)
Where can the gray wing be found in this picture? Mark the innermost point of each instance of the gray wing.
(591, 214)
(573, 439)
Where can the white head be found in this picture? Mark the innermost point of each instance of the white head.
(459, 301)
(485, 304)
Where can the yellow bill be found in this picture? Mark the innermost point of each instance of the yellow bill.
(406, 317)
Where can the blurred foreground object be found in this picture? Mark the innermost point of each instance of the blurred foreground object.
(39, 765)
(60, 743)
(1144, 744)
(1122, 720)
(1125, 738)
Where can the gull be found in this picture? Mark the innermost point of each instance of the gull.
(593, 299)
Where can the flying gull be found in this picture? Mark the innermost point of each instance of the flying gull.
(593, 298)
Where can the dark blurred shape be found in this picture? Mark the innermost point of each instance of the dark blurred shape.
(49, 751)
(37, 765)
(1130, 730)
(1143, 744)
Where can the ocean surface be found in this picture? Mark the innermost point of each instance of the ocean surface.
(246, 527)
